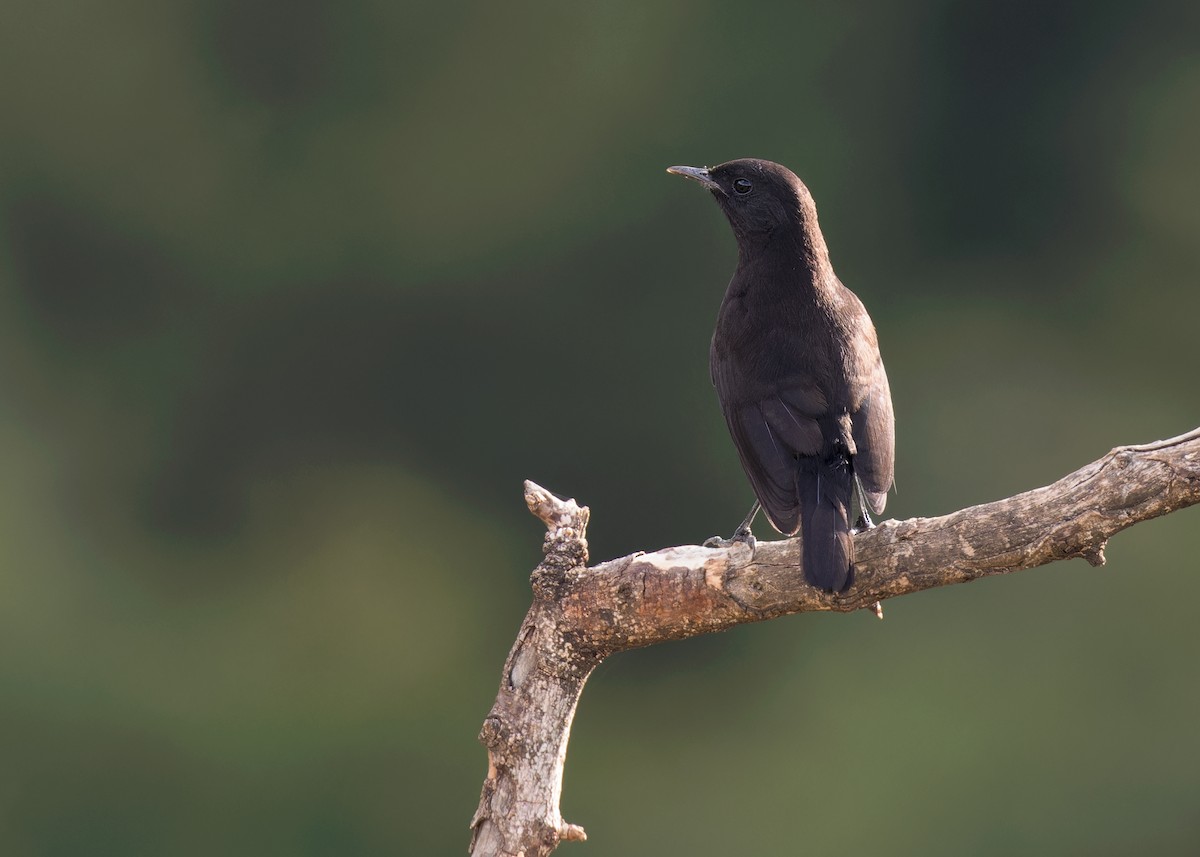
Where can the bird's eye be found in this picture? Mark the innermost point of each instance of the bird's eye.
(742, 185)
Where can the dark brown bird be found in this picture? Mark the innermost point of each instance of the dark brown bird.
(796, 364)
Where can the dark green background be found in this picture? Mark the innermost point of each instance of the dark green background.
(294, 295)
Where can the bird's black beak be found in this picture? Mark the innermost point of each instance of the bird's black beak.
(697, 174)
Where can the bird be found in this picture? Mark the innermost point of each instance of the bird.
(796, 365)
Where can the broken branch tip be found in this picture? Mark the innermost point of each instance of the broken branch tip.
(572, 833)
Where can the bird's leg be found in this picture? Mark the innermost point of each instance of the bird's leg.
(864, 522)
(741, 535)
(743, 531)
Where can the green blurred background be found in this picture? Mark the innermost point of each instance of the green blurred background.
(294, 295)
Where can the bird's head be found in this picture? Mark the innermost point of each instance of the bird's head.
(759, 198)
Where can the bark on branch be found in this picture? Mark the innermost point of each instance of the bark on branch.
(581, 615)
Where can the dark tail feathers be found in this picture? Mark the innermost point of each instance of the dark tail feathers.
(824, 492)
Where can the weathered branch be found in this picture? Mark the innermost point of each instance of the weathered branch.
(581, 615)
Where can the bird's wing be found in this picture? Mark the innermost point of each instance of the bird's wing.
(769, 465)
(771, 435)
(874, 431)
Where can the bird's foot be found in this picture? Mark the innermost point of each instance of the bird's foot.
(864, 522)
(742, 537)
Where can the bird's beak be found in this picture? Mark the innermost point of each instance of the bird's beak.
(697, 174)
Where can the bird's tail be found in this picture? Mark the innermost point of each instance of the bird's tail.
(824, 492)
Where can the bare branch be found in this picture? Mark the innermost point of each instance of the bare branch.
(581, 615)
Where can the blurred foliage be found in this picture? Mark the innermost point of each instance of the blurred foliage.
(293, 296)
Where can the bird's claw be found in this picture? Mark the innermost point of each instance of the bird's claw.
(741, 537)
(864, 522)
